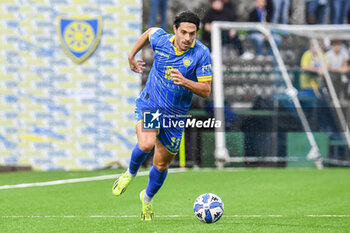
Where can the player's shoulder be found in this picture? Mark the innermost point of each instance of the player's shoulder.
(158, 32)
(158, 37)
(199, 46)
(201, 49)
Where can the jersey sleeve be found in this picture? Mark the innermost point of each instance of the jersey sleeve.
(156, 37)
(204, 72)
(306, 59)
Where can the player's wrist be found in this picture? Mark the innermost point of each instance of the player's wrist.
(131, 56)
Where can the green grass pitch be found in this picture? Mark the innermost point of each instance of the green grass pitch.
(256, 200)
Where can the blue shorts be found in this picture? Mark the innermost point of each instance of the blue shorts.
(170, 137)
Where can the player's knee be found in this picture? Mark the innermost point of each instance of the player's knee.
(146, 145)
(161, 165)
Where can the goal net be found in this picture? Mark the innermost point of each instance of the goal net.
(292, 108)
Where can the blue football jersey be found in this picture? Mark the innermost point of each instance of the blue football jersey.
(194, 64)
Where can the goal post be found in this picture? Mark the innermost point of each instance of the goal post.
(311, 32)
(221, 153)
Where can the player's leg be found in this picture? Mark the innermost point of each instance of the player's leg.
(167, 146)
(146, 140)
(161, 161)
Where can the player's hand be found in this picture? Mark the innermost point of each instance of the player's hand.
(137, 65)
(177, 77)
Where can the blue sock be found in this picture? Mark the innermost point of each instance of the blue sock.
(137, 158)
(156, 180)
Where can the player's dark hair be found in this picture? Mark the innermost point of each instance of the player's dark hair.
(187, 17)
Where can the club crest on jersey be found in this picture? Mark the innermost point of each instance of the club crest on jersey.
(187, 61)
(79, 36)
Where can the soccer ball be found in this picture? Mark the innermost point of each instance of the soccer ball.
(208, 208)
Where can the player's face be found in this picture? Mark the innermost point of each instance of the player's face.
(185, 34)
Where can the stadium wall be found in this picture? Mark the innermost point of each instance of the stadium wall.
(66, 105)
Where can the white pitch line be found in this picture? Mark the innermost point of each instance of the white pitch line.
(254, 216)
(330, 216)
(79, 180)
(180, 216)
(97, 216)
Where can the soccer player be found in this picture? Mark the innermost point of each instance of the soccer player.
(181, 67)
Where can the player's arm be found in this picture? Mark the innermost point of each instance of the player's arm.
(202, 89)
(138, 65)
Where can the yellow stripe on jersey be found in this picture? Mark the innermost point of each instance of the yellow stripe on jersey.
(170, 152)
(204, 78)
